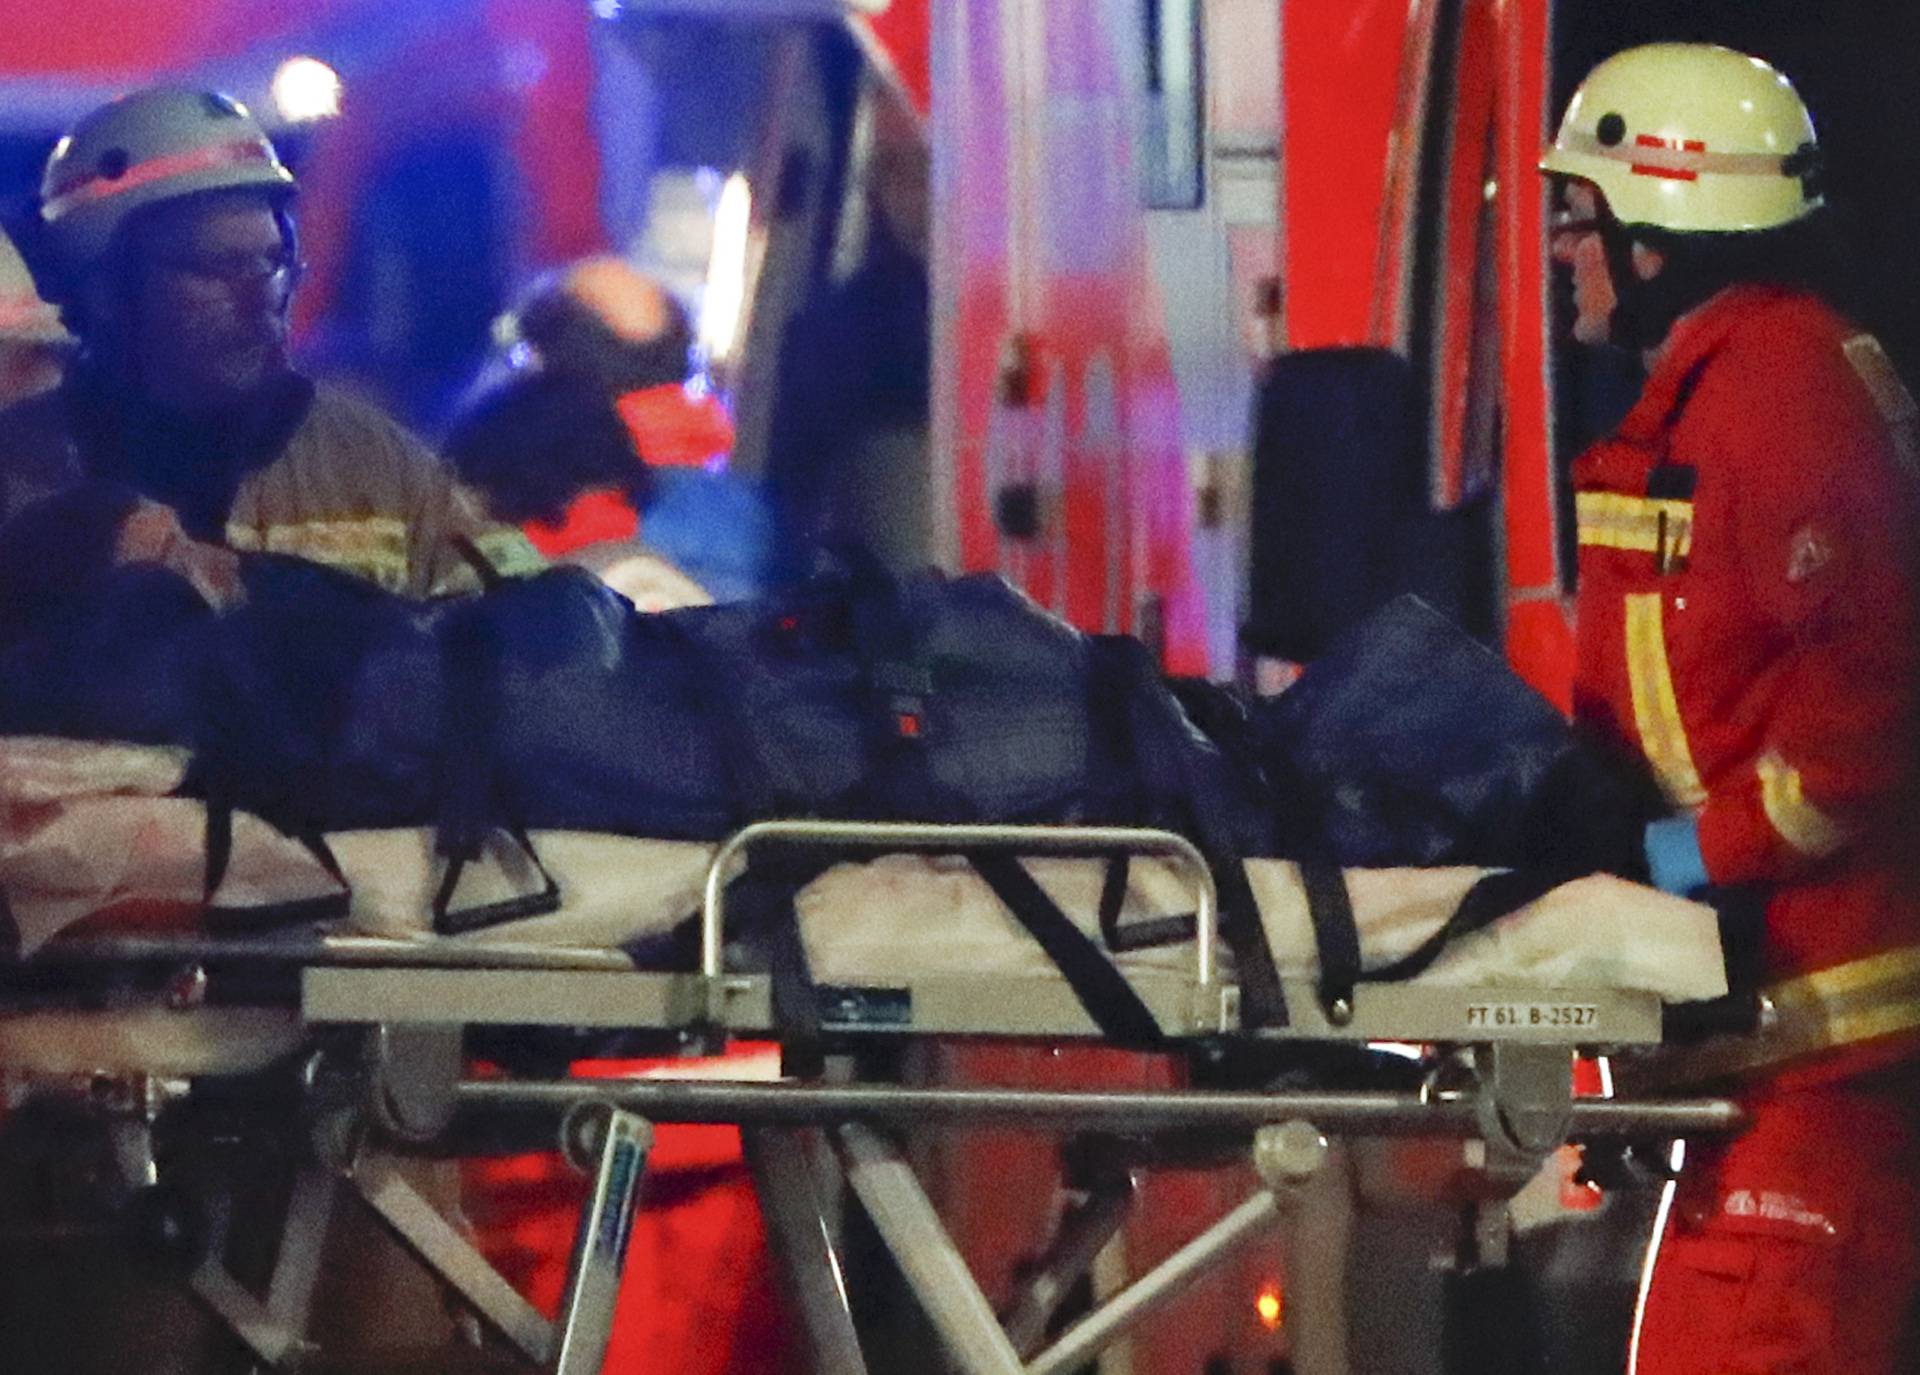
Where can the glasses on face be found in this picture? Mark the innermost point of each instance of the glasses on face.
(278, 271)
(1567, 224)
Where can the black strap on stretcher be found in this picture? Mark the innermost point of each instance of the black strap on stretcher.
(766, 894)
(763, 898)
(903, 686)
(1261, 1001)
(1145, 934)
(471, 805)
(451, 921)
(1102, 990)
(294, 912)
(1336, 934)
(1337, 937)
(1125, 674)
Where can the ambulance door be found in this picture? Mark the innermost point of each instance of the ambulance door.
(1056, 410)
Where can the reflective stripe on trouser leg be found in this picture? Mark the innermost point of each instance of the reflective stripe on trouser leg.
(1652, 1261)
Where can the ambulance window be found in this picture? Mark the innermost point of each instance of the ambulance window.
(693, 115)
(713, 78)
(1174, 122)
(681, 103)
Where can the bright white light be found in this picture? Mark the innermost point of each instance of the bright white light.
(725, 297)
(305, 88)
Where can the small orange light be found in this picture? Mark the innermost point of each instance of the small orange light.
(1269, 1307)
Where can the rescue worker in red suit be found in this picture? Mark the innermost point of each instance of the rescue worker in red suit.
(1747, 628)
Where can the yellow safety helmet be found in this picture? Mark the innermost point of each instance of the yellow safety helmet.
(1690, 137)
(152, 146)
(25, 318)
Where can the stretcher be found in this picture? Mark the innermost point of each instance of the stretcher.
(364, 1016)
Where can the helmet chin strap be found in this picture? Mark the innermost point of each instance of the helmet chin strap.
(1646, 307)
(1639, 321)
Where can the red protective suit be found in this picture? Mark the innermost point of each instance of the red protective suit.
(698, 1295)
(1748, 628)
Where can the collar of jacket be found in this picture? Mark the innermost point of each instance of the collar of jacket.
(192, 463)
(1619, 462)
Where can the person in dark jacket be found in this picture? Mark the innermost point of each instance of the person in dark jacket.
(184, 441)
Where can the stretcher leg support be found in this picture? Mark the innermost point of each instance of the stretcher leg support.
(1084, 1233)
(600, 1245)
(925, 1253)
(800, 1206)
(274, 1330)
(448, 1254)
(1285, 1155)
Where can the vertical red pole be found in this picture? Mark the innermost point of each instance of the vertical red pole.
(1340, 83)
(1539, 635)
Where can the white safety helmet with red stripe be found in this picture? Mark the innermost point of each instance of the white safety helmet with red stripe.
(25, 318)
(1690, 138)
(152, 146)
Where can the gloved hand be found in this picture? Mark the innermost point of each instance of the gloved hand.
(1674, 862)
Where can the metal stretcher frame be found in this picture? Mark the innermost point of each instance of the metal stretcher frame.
(345, 981)
(414, 999)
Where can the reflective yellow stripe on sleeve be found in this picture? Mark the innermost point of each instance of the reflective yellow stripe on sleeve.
(1863, 1000)
(1656, 710)
(1614, 520)
(510, 552)
(1859, 1001)
(1801, 824)
(374, 547)
(501, 551)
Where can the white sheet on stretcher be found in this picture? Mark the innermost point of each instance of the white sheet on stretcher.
(908, 915)
(87, 827)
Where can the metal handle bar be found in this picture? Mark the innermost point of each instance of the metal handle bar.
(331, 949)
(1347, 1112)
(899, 835)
